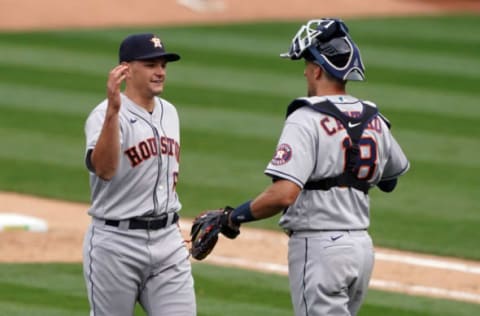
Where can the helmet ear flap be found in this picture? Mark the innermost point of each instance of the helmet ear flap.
(355, 75)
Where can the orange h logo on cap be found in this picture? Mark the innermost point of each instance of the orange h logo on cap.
(156, 42)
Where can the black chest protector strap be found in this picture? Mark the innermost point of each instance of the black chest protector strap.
(354, 127)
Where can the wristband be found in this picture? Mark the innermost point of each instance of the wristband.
(242, 214)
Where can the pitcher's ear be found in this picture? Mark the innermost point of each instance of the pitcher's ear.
(127, 71)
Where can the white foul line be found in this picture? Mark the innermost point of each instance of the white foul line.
(242, 263)
(431, 263)
(374, 283)
(424, 290)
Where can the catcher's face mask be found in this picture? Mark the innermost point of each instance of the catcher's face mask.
(326, 42)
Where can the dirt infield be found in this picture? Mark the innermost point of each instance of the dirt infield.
(265, 251)
(48, 14)
(253, 249)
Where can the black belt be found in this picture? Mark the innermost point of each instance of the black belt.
(145, 223)
(291, 232)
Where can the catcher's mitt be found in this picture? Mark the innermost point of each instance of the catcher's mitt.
(205, 230)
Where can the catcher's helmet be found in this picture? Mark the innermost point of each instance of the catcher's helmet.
(326, 42)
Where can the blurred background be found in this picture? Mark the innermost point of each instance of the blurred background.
(231, 90)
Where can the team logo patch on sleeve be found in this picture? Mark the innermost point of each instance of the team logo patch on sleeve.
(282, 155)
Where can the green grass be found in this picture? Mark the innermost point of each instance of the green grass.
(231, 91)
(59, 289)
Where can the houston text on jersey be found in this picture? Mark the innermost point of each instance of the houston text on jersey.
(149, 147)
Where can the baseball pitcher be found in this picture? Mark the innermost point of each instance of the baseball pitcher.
(133, 250)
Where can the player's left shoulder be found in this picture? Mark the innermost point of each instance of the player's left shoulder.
(305, 116)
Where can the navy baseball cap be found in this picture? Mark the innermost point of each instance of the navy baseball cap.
(144, 46)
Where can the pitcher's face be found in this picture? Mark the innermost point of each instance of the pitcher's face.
(148, 76)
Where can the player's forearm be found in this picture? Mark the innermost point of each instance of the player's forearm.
(273, 200)
(261, 208)
(106, 154)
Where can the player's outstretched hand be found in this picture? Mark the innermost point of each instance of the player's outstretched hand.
(115, 79)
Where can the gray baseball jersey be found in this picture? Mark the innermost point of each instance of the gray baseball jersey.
(330, 252)
(311, 148)
(122, 263)
(149, 160)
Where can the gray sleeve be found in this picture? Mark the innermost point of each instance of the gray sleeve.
(397, 163)
(294, 157)
(93, 127)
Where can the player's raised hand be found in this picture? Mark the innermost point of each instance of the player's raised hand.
(115, 78)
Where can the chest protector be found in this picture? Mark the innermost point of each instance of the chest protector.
(354, 127)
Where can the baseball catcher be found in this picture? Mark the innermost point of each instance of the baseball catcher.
(205, 230)
(333, 149)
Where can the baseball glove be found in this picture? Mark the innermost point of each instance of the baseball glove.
(205, 230)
